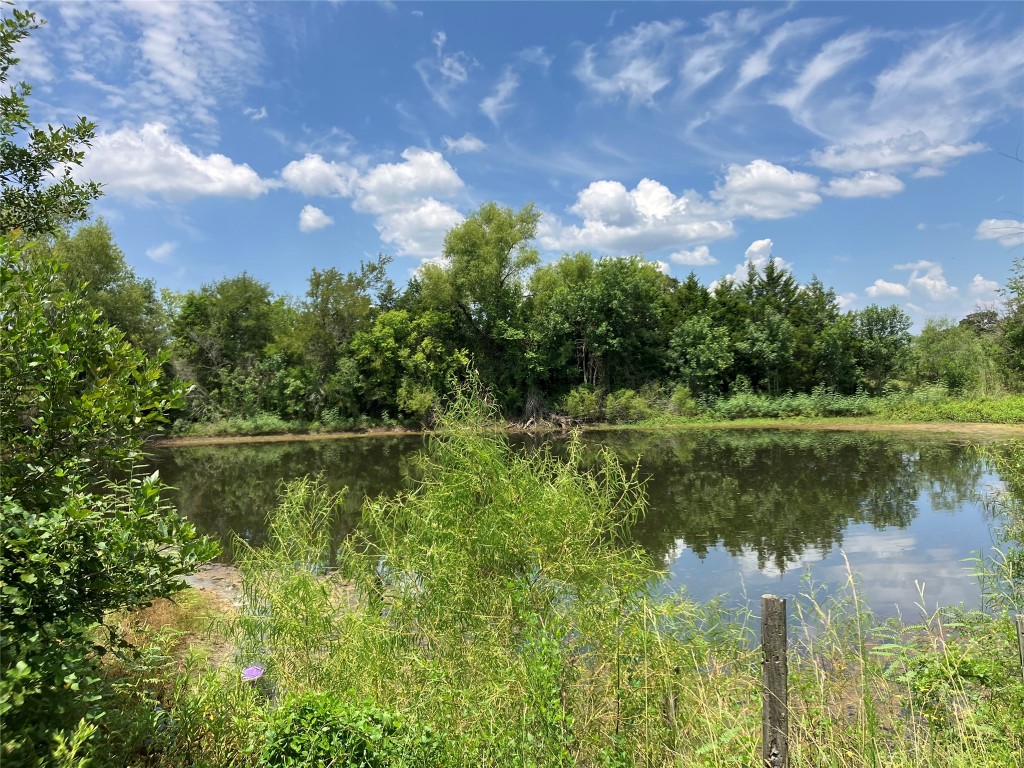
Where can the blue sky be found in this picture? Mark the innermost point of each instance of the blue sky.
(860, 142)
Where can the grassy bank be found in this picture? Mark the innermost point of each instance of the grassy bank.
(493, 615)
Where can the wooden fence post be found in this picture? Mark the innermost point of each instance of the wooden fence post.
(1020, 639)
(774, 672)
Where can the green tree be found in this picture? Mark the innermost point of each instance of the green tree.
(82, 532)
(483, 282)
(221, 334)
(883, 341)
(38, 193)
(1012, 326)
(97, 267)
(702, 355)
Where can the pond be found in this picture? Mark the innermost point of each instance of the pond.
(732, 512)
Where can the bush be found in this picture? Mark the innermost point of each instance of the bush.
(627, 406)
(82, 533)
(321, 729)
(582, 404)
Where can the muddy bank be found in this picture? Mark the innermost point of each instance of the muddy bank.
(962, 429)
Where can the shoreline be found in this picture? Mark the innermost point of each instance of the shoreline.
(972, 429)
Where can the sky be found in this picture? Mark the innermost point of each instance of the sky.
(869, 144)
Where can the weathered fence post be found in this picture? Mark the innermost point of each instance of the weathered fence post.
(774, 672)
(1020, 639)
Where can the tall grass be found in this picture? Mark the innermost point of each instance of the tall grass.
(497, 615)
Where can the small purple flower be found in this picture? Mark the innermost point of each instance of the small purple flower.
(252, 674)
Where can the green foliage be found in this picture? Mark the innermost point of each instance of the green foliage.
(702, 355)
(883, 338)
(320, 729)
(82, 534)
(583, 403)
(624, 406)
(39, 194)
(97, 267)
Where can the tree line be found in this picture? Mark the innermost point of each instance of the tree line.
(556, 337)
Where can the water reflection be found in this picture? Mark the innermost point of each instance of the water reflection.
(729, 509)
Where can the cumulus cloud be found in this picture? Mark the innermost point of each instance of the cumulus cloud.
(884, 288)
(758, 254)
(1008, 232)
(150, 161)
(635, 65)
(162, 253)
(981, 287)
(464, 144)
(928, 277)
(618, 220)
(312, 218)
(865, 184)
(312, 175)
(395, 186)
(763, 190)
(418, 230)
(404, 198)
(696, 257)
(443, 74)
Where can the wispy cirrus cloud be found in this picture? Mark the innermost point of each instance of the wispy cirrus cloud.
(445, 72)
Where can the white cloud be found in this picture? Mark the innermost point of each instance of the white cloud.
(464, 144)
(634, 65)
(149, 161)
(758, 254)
(865, 184)
(537, 55)
(255, 114)
(759, 63)
(392, 187)
(662, 266)
(445, 73)
(763, 190)
(403, 197)
(183, 61)
(884, 288)
(1009, 232)
(648, 217)
(419, 229)
(501, 99)
(926, 108)
(927, 276)
(312, 175)
(312, 218)
(909, 149)
(845, 300)
(833, 57)
(981, 287)
(697, 257)
(35, 65)
(162, 253)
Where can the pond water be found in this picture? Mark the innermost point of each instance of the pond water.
(732, 512)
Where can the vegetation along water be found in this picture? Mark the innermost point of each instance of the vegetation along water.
(470, 598)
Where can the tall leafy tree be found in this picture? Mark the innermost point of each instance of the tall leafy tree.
(483, 281)
(97, 267)
(883, 341)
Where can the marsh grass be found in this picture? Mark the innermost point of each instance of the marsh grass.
(497, 615)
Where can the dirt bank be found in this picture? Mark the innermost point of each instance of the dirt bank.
(961, 429)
